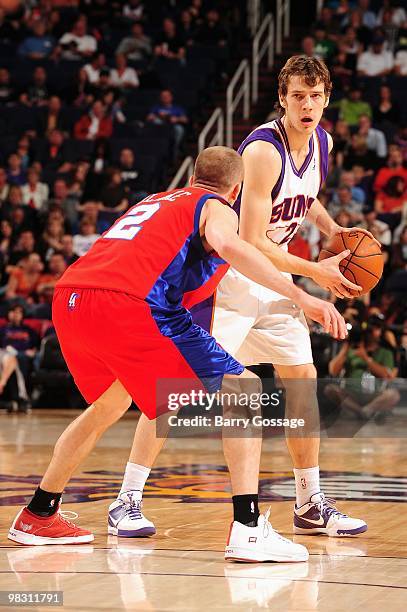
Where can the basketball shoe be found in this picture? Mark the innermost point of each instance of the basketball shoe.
(31, 529)
(126, 518)
(320, 515)
(261, 543)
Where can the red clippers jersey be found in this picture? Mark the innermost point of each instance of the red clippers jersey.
(153, 252)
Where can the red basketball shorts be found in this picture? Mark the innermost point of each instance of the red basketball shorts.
(108, 335)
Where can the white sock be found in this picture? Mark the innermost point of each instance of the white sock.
(135, 477)
(306, 484)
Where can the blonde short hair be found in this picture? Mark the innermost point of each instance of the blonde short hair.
(219, 168)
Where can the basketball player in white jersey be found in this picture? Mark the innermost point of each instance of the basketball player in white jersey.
(286, 162)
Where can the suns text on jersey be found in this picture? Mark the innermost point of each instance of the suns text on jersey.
(291, 208)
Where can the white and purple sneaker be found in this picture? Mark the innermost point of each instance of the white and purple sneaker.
(320, 515)
(126, 519)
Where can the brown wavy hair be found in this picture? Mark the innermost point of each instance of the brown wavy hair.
(311, 69)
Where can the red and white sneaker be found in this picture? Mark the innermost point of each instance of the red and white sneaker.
(30, 529)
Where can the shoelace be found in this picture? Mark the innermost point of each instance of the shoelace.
(267, 528)
(133, 508)
(65, 514)
(327, 504)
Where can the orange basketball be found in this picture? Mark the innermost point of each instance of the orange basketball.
(364, 265)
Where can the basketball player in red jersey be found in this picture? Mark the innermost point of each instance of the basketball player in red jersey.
(119, 317)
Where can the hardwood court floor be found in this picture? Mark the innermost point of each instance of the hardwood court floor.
(182, 567)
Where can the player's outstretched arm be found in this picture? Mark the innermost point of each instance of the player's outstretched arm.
(262, 164)
(221, 226)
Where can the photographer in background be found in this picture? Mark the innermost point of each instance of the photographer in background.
(365, 363)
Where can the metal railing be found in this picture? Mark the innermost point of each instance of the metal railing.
(242, 77)
(282, 21)
(186, 169)
(216, 119)
(253, 15)
(259, 50)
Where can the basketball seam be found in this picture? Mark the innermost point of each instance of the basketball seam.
(355, 249)
(354, 264)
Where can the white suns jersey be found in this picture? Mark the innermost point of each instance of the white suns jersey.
(296, 188)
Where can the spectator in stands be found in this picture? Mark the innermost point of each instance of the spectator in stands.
(8, 93)
(212, 32)
(46, 285)
(114, 196)
(308, 47)
(375, 139)
(16, 175)
(391, 199)
(344, 202)
(93, 68)
(77, 44)
(24, 246)
(39, 45)
(6, 240)
(52, 237)
(168, 112)
(66, 200)
(398, 13)
(103, 86)
(324, 47)
(131, 176)
(169, 43)
(352, 107)
(136, 47)
(124, 77)
(23, 151)
(380, 230)
(94, 124)
(87, 236)
(341, 73)
(35, 193)
(387, 112)
(400, 62)
(22, 338)
(363, 33)
(351, 47)
(393, 169)
(9, 30)
(24, 278)
(53, 154)
(187, 27)
(348, 179)
(399, 252)
(376, 61)
(328, 23)
(67, 249)
(359, 155)
(4, 186)
(12, 387)
(341, 137)
(37, 93)
(364, 365)
(52, 117)
(79, 93)
(369, 19)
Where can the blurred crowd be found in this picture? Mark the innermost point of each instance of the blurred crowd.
(98, 99)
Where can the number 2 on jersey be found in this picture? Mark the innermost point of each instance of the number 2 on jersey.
(129, 226)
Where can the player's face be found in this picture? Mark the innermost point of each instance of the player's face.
(304, 105)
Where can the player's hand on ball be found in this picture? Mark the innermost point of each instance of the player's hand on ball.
(348, 230)
(329, 276)
(325, 314)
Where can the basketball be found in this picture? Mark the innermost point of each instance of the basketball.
(364, 265)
